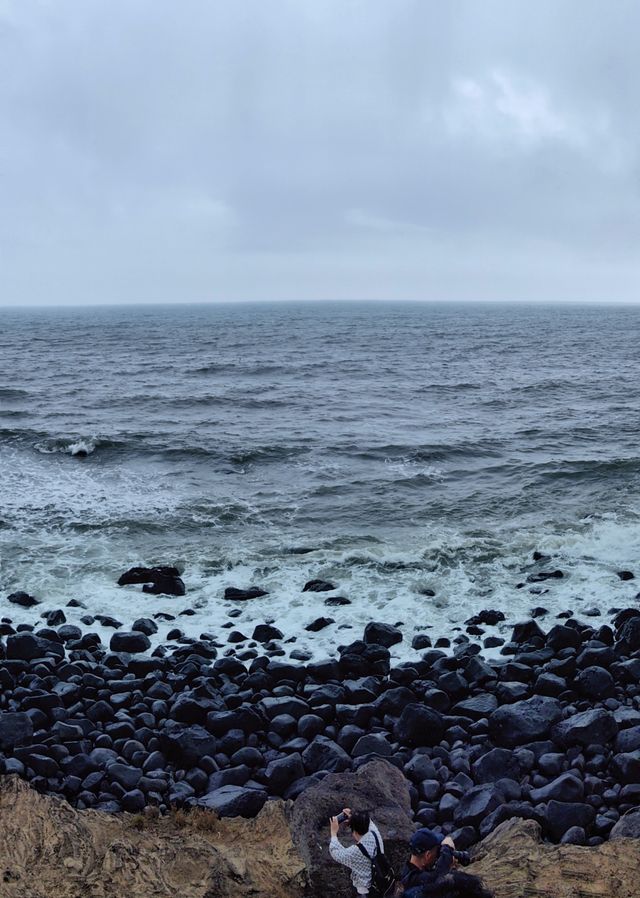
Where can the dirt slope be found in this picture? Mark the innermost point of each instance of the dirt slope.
(50, 850)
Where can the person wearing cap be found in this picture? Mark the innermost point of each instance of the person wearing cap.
(429, 872)
(431, 859)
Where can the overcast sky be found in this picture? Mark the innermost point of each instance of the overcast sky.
(307, 149)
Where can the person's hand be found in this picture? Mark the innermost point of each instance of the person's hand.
(335, 826)
(347, 811)
(449, 841)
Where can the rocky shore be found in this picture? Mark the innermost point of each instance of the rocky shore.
(549, 731)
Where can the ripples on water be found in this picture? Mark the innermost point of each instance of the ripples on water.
(445, 441)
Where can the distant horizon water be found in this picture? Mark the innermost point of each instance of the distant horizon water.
(414, 454)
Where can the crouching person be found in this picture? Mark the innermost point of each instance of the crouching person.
(430, 873)
(366, 835)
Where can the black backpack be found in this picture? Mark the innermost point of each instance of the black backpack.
(383, 879)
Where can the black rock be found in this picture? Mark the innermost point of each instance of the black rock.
(626, 575)
(541, 576)
(629, 634)
(265, 633)
(282, 772)
(129, 642)
(337, 601)
(157, 580)
(524, 721)
(496, 764)
(628, 826)
(318, 586)
(565, 787)
(25, 647)
(476, 804)
(488, 617)
(421, 641)
(186, 744)
(16, 728)
(324, 754)
(478, 706)
(54, 618)
(562, 816)
(234, 801)
(243, 595)
(382, 634)
(526, 631)
(145, 625)
(319, 624)
(419, 725)
(626, 767)
(23, 599)
(593, 727)
(594, 683)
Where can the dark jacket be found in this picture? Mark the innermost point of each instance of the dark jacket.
(412, 877)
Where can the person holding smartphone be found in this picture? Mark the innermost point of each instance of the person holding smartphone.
(364, 832)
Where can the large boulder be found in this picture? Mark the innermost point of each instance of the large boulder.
(593, 727)
(628, 826)
(419, 725)
(628, 635)
(476, 804)
(234, 801)
(525, 721)
(186, 744)
(16, 729)
(496, 764)
(561, 816)
(377, 787)
(155, 580)
(382, 634)
(565, 787)
(132, 643)
(325, 754)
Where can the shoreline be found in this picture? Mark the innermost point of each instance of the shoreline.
(547, 730)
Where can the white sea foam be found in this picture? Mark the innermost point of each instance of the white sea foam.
(385, 584)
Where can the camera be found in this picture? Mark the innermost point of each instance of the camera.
(462, 857)
(342, 817)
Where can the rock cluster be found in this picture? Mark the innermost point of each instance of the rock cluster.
(550, 731)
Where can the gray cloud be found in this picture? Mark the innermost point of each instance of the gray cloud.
(327, 148)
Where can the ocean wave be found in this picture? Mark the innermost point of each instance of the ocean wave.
(78, 447)
(13, 393)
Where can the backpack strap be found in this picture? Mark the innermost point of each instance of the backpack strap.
(366, 853)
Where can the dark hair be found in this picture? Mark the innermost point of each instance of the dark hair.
(359, 822)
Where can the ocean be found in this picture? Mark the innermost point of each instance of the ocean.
(415, 455)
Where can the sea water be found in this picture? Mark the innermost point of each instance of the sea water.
(393, 449)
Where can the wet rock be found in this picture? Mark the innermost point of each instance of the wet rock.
(244, 595)
(628, 634)
(336, 601)
(54, 618)
(488, 617)
(319, 624)
(144, 625)
(23, 599)
(382, 634)
(266, 632)
(318, 586)
(421, 641)
(626, 575)
(541, 576)
(164, 580)
(130, 643)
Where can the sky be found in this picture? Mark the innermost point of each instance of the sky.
(197, 151)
